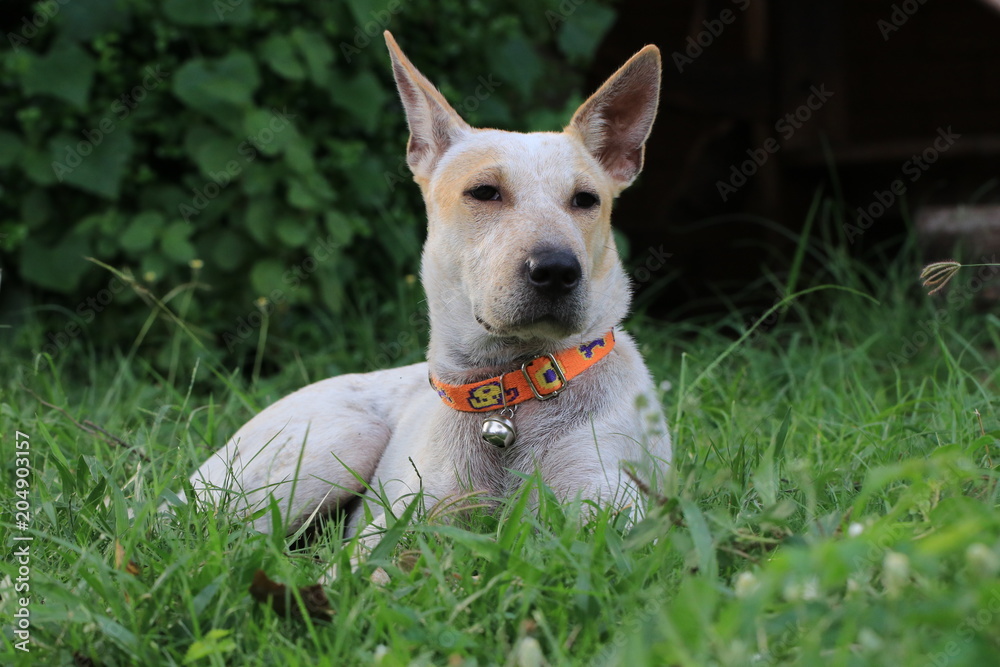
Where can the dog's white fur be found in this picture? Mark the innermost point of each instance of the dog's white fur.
(389, 428)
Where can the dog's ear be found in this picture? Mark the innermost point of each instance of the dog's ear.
(616, 120)
(434, 125)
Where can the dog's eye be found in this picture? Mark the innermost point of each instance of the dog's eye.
(485, 193)
(585, 200)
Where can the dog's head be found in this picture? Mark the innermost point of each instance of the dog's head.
(519, 243)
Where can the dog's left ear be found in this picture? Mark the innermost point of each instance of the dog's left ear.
(616, 120)
(434, 125)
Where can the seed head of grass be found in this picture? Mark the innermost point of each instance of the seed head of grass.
(937, 275)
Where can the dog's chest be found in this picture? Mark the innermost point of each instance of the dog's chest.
(543, 429)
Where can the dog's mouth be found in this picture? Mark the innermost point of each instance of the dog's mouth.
(547, 326)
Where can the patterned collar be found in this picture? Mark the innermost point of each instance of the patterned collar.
(543, 378)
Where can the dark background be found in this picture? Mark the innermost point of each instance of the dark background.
(898, 71)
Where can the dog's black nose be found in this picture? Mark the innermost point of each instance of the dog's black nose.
(554, 272)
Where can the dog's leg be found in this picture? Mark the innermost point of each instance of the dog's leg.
(313, 450)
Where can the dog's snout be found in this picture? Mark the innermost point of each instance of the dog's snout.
(554, 272)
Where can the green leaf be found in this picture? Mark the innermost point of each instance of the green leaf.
(10, 148)
(215, 643)
(293, 231)
(36, 208)
(210, 150)
(175, 243)
(229, 250)
(781, 435)
(517, 55)
(339, 226)
(57, 267)
(704, 545)
(364, 97)
(95, 166)
(266, 276)
(298, 155)
(221, 88)
(279, 53)
(258, 179)
(319, 186)
(366, 15)
(37, 165)
(259, 219)
(301, 197)
(208, 12)
(142, 231)
(82, 21)
(66, 72)
(269, 130)
(582, 32)
(367, 180)
(316, 52)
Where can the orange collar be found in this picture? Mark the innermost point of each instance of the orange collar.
(542, 378)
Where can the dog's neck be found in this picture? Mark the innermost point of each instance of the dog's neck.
(462, 351)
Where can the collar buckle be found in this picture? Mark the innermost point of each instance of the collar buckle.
(560, 375)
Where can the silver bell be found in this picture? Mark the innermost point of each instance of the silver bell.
(499, 431)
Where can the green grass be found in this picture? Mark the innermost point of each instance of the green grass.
(834, 501)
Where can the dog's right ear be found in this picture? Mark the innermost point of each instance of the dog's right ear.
(615, 122)
(434, 125)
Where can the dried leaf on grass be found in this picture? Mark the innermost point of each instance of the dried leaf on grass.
(81, 660)
(280, 598)
(120, 564)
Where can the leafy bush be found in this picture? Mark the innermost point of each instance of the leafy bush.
(253, 148)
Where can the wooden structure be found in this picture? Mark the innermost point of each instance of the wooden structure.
(849, 96)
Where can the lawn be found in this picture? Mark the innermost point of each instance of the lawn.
(834, 500)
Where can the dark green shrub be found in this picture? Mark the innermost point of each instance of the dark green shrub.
(259, 142)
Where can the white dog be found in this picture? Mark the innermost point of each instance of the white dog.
(528, 369)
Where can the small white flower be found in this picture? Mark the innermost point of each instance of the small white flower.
(529, 653)
(810, 589)
(895, 573)
(982, 560)
(792, 591)
(869, 640)
(746, 583)
(855, 529)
